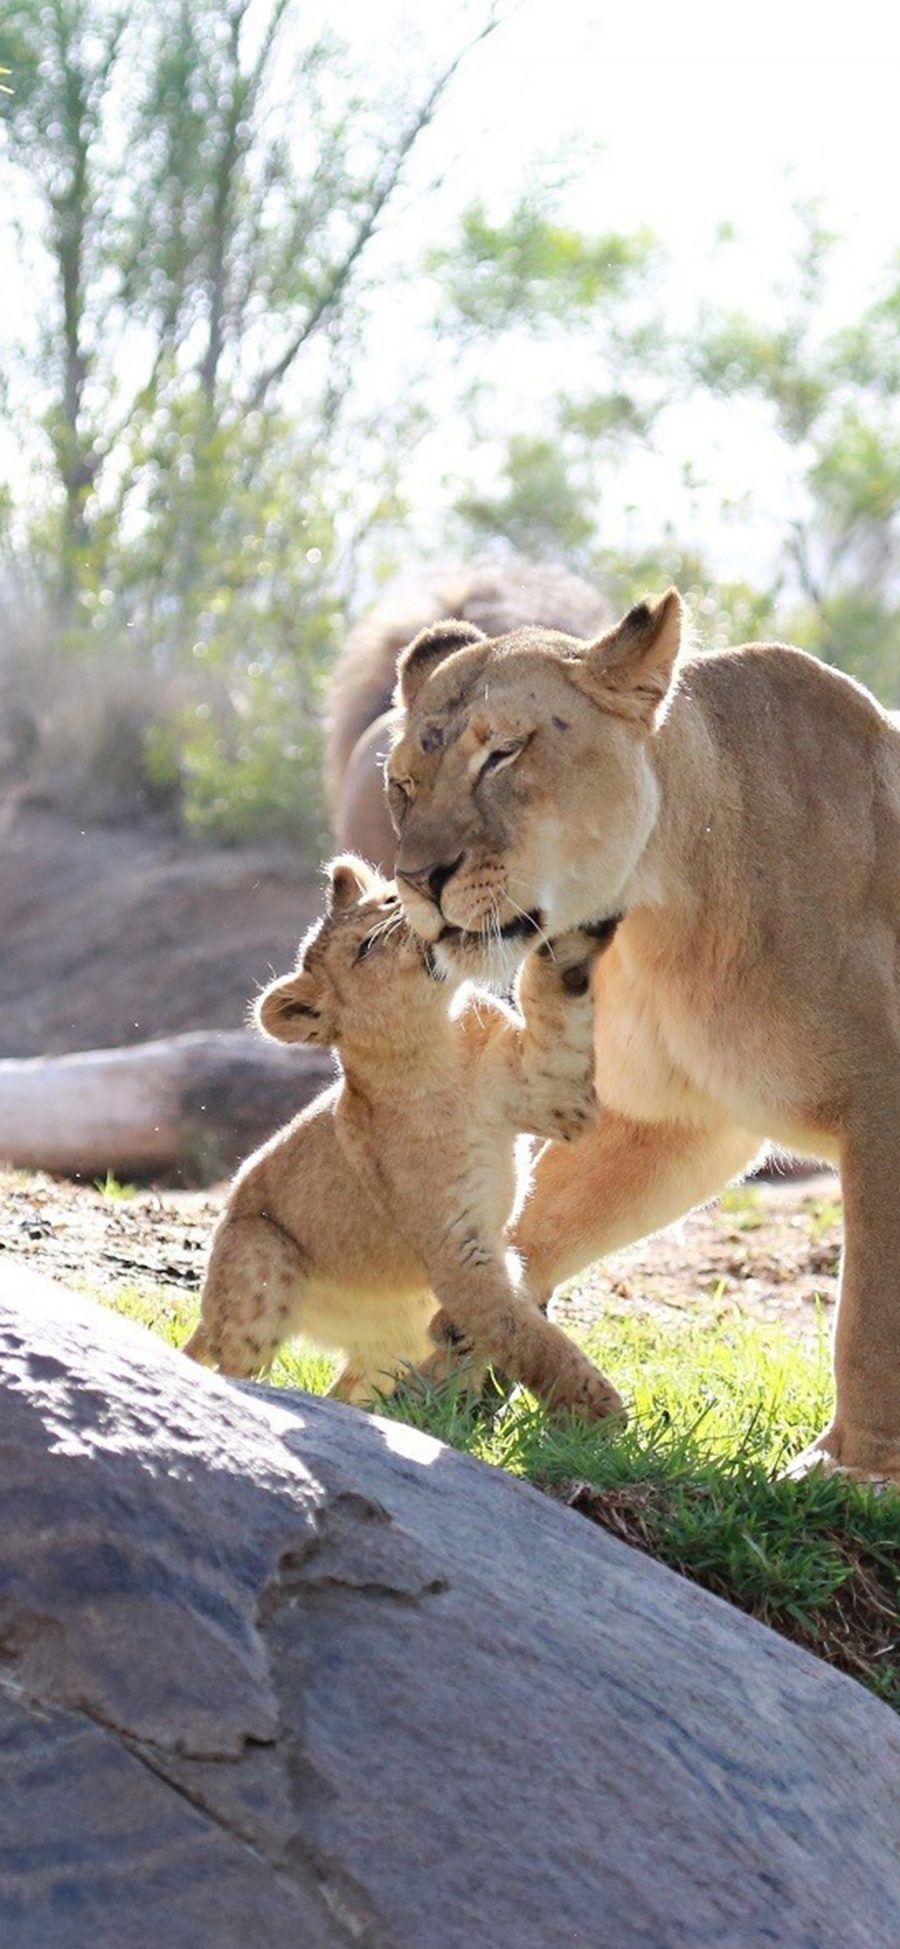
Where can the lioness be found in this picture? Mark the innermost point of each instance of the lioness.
(740, 811)
(397, 1184)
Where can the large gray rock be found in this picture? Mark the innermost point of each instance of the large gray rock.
(273, 1670)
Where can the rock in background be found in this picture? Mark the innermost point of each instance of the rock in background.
(275, 1670)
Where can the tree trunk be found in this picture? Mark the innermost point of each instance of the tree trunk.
(189, 1105)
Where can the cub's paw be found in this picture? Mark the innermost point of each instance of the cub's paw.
(576, 1116)
(574, 952)
(200, 1347)
(592, 1396)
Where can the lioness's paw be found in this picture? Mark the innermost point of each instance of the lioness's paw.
(817, 1459)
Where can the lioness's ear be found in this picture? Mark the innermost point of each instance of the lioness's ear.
(350, 879)
(426, 651)
(629, 670)
(288, 1010)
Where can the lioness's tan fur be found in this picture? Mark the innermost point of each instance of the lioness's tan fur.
(741, 810)
(397, 1184)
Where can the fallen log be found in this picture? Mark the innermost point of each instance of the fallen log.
(187, 1105)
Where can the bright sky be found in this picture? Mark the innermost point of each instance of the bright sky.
(701, 107)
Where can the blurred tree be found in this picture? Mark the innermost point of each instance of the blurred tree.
(197, 245)
(63, 59)
(208, 179)
(540, 506)
(532, 270)
(587, 303)
(833, 399)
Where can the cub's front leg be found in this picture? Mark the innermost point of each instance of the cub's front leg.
(252, 1299)
(554, 1094)
(477, 1286)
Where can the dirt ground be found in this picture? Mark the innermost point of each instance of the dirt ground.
(768, 1250)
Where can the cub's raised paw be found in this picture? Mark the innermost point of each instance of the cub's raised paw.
(574, 952)
(577, 1116)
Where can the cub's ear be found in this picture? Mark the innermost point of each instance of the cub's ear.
(289, 1010)
(630, 669)
(350, 879)
(426, 651)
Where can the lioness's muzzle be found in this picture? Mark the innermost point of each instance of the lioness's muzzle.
(517, 929)
(431, 880)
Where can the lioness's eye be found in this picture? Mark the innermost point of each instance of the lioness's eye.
(365, 947)
(399, 796)
(502, 754)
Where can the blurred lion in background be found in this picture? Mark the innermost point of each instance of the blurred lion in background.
(496, 598)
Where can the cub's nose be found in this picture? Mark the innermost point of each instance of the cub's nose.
(432, 879)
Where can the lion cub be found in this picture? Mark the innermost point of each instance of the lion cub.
(390, 1193)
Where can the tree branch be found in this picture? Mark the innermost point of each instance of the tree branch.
(329, 298)
(224, 185)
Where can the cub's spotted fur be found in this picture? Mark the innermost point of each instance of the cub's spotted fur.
(390, 1193)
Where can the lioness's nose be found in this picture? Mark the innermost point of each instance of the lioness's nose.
(432, 879)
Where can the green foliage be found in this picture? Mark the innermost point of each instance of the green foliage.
(530, 279)
(207, 471)
(250, 769)
(735, 354)
(530, 270)
(856, 476)
(209, 178)
(607, 417)
(833, 398)
(540, 508)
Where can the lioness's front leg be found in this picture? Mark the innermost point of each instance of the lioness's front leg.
(620, 1182)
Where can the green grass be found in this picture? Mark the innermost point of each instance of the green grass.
(742, 1202)
(109, 1187)
(821, 1215)
(714, 1411)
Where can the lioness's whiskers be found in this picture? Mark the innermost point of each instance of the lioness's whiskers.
(495, 937)
(542, 936)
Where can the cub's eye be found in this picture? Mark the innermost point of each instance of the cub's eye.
(365, 947)
(503, 754)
